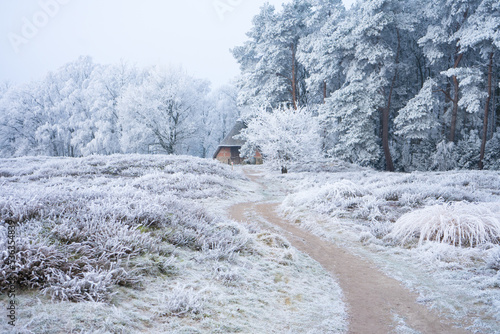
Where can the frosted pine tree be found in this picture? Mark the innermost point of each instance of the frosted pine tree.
(441, 45)
(271, 73)
(320, 51)
(417, 125)
(481, 35)
(371, 42)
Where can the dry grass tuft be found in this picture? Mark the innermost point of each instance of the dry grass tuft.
(458, 224)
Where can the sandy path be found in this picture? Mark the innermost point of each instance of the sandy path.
(372, 297)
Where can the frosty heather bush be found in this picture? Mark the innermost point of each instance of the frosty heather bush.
(33, 260)
(227, 275)
(181, 301)
(93, 285)
(110, 239)
(458, 224)
(343, 198)
(341, 194)
(493, 260)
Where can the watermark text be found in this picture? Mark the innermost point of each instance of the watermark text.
(11, 262)
(31, 26)
(223, 7)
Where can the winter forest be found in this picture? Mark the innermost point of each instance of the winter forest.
(397, 85)
(86, 108)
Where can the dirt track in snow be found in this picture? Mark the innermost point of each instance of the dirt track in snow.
(372, 298)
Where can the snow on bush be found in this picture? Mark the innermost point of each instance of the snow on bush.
(493, 260)
(458, 224)
(342, 194)
(180, 301)
(94, 285)
(282, 136)
(340, 199)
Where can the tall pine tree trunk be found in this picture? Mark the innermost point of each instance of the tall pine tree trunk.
(486, 110)
(455, 100)
(389, 165)
(456, 87)
(294, 79)
(324, 92)
(493, 121)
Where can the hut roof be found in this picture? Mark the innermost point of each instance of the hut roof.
(230, 141)
(236, 130)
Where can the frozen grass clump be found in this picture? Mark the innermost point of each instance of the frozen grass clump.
(340, 199)
(227, 275)
(493, 260)
(181, 301)
(32, 263)
(343, 195)
(458, 224)
(93, 285)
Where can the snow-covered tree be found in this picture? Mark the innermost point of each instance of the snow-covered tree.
(481, 33)
(84, 108)
(107, 86)
(418, 118)
(371, 43)
(219, 114)
(271, 73)
(445, 157)
(320, 52)
(441, 45)
(282, 136)
(160, 115)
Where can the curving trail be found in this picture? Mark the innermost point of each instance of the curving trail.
(372, 297)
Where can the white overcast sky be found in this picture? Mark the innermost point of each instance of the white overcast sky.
(190, 33)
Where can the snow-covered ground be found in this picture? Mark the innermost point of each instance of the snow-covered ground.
(135, 243)
(437, 232)
(127, 244)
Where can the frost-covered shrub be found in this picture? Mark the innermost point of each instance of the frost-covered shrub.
(33, 261)
(181, 301)
(103, 239)
(322, 165)
(458, 224)
(342, 194)
(493, 261)
(343, 198)
(468, 150)
(17, 209)
(93, 285)
(227, 275)
(492, 154)
(445, 157)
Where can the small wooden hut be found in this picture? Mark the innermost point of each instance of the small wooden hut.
(228, 150)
